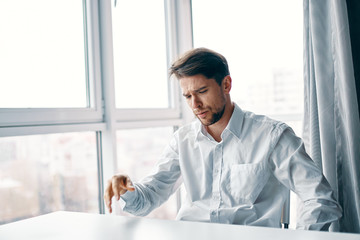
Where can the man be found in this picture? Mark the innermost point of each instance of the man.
(236, 166)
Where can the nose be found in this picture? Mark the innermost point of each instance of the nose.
(195, 102)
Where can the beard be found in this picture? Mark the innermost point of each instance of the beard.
(215, 117)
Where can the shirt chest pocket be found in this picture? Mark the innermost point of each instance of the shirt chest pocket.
(247, 181)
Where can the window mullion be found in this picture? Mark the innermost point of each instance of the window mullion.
(108, 136)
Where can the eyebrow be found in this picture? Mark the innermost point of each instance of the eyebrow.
(197, 90)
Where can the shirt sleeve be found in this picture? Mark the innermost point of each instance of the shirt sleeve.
(157, 187)
(293, 167)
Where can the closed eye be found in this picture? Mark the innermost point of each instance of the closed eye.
(203, 89)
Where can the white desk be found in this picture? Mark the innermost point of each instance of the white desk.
(70, 225)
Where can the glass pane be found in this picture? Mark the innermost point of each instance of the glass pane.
(140, 54)
(263, 46)
(42, 54)
(138, 152)
(45, 173)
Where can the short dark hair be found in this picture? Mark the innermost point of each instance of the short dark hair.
(201, 61)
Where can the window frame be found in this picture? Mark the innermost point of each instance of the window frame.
(176, 33)
(101, 115)
(93, 113)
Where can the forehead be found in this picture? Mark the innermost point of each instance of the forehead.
(193, 83)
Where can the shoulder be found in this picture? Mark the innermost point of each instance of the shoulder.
(189, 130)
(261, 129)
(185, 134)
(263, 122)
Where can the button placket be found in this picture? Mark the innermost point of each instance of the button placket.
(216, 198)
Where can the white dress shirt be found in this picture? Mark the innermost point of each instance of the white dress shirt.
(244, 179)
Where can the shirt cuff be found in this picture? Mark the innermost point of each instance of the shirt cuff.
(129, 197)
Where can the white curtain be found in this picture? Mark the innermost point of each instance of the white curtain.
(331, 118)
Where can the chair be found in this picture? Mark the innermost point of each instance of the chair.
(285, 214)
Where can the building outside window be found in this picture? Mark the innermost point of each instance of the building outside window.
(45, 173)
(69, 120)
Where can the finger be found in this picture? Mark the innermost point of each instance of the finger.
(108, 195)
(115, 188)
(129, 185)
(107, 201)
(108, 204)
(110, 208)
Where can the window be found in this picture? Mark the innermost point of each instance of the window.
(262, 41)
(50, 108)
(44, 173)
(50, 70)
(63, 115)
(148, 105)
(42, 56)
(140, 59)
(252, 38)
(102, 71)
(138, 152)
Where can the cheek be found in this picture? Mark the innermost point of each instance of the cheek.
(188, 102)
(210, 103)
(217, 102)
(212, 98)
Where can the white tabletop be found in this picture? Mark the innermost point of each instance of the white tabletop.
(70, 225)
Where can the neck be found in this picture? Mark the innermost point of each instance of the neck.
(216, 129)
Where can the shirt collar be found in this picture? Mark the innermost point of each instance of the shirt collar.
(236, 120)
(234, 125)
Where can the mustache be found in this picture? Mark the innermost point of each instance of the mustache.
(198, 111)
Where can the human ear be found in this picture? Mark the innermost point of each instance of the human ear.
(226, 84)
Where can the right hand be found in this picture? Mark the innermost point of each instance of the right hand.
(117, 186)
